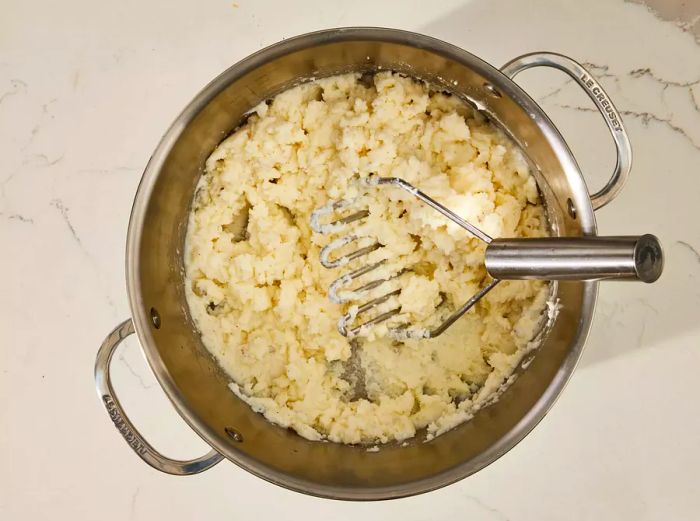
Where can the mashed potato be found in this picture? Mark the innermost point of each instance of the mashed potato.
(259, 295)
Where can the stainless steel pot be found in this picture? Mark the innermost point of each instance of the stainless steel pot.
(190, 376)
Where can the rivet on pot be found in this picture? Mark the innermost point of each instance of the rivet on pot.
(571, 208)
(233, 434)
(492, 90)
(155, 318)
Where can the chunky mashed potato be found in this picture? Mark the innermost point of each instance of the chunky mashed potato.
(259, 295)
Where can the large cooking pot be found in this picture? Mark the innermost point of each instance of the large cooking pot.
(190, 376)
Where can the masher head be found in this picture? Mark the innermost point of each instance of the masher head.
(337, 217)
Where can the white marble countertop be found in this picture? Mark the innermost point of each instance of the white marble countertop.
(86, 90)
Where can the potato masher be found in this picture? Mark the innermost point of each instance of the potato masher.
(548, 258)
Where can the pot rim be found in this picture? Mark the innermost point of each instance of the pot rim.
(142, 321)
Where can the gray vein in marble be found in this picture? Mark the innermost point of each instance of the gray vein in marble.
(45, 112)
(499, 515)
(58, 204)
(17, 217)
(600, 71)
(32, 135)
(133, 372)
(678, 12)
(645, 117)
(690, 248)
(694, 100)
(45, 108)
(603, 71)
(646, 71)
(37, 160)
(132, 511)
(640, 336)
(41, 160)
(556, 91)
(32, 160)
(18, 87)
(64, 211)
(643, 302)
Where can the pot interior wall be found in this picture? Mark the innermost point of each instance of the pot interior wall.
(199, 387)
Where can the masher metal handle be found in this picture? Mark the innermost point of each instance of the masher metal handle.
(576, 258)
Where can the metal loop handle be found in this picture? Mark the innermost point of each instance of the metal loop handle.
(612, 118)
(122, 422)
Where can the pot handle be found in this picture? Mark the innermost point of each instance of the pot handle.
(122, 422)
(601, 99)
